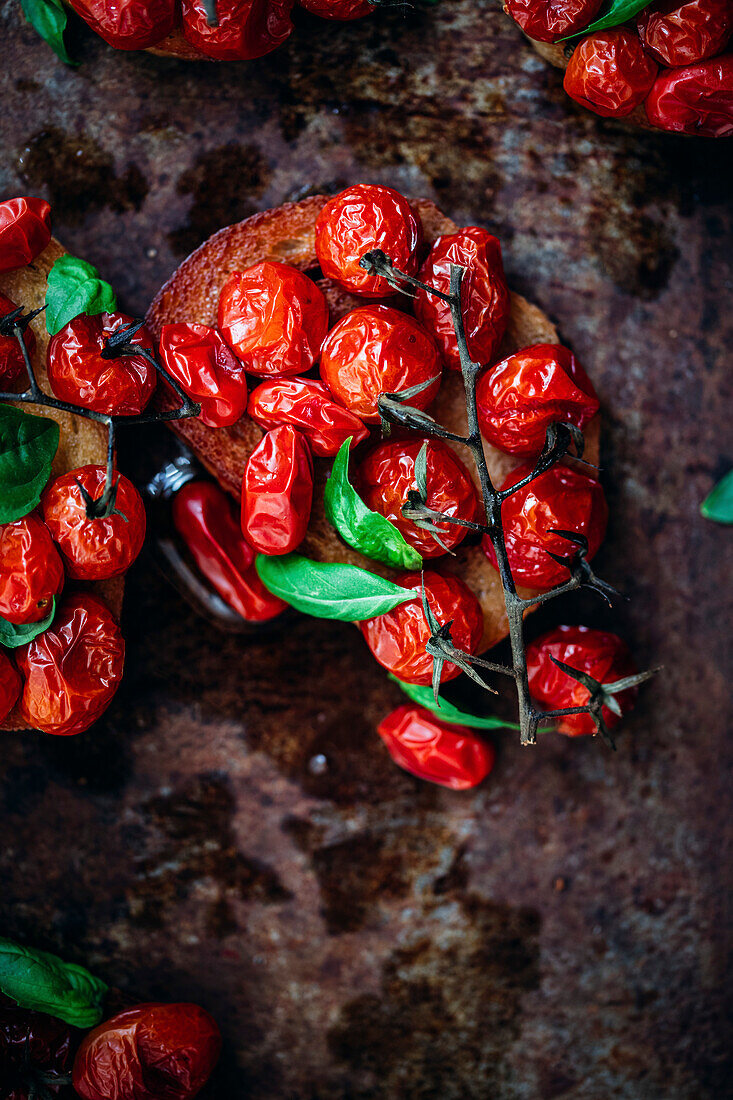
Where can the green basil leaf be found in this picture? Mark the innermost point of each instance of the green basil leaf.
(718, 505)
(45, 983)
(423, 696)
(27, 447)
(48, 18)
(12, 636)
(364, 530)
(329, 591)
(616, 13)
(74, 287)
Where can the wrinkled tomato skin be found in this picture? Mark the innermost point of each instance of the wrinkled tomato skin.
(398, 638)
(561, 499)
(358, 220)
(449, 755)
(32, 1043)
(128, 24)
(548, 20)
(12, 363)
(609, 73)
(387, 474)
(31, 570)
(78, 373)
(525, 393)
(695, 100)
(277, 491)
(274, 318)
(207, 370)
(99, 548)
(246, 28)
(204, 518)
(484, 294)
(338, 9)
(308, 406)
(10, 685)
(25, 230)
(149, 1052)
(677, 34)
(377, 349)
(603, 656)
(73, 669)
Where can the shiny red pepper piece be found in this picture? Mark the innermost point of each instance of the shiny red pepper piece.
(694, 100)
(548, 20)
(449, 755)
(10, 684)
(31, 570)
(677, 34)
(35, 1054)
(25, 230)
(207, 370)
(129, 24)
(277, 492)
(245, 29)
(609, 73)
(338, 9)
(12, 363)
(308, 406)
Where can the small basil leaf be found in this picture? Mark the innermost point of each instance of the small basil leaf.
(329, 591)
(718, 505)
(364, 530)
(13, 636)
(423, 696)
(48, 18)
(27, 447)
(616, 13)
(74, 287)
(45, 983)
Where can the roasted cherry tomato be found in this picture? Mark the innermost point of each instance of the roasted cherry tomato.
(205, 520)
(31, 570)
(359, 219)
(695, 100)
(128, 24)
(73, 669)
(308, 406)
(603, 656)
(609, 73)
(12, 363)
(484, 294)
(207, 370)
(548, 20)
(10, 685)
(398, 638)
(150, 1052)
(245, 28)
(528, 391)
(25, 230)
(80, 375)
(387, 474)
(449, 755)
(338, 9)
(98, 548)
(562, 499)
(376, 349)
(277, 491)
(274, 317)
(682, 33)
(35, 1054)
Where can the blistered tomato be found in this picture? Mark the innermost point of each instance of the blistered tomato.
(277, 492)
(128, 24)
(440, 752)
(25, 230)
(610, 73)
(684, 33)
(12, 363)
(308, 406)
(10, 685)
(338, 9)
(245, 28)
(31, 571)
(207, 370)
(694, 100)
(548, 20)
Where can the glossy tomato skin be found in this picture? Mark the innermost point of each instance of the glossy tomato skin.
(149, 1052)
(25, 230)
(308, 406)
(561, 499)
(358, 220)
(603, 656)
(377, 349)
(387, 474)
(78, 373)
(73, 669)
(521, 396)
(484, 294)
(246, 28)
(277, 491)
(398, 638)
(695, 100)
(32, 1043)
(548, 20)
(99, 548)
(12, 363)
(449, 755)
(31, 570)
(609, 73)
(683, 33)
(10, 685)
(128, 24)
(274, 317)
(338, 9)
(207, 370)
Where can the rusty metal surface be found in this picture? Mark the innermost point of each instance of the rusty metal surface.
(233, 831)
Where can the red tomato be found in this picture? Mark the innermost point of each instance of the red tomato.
(548, 20)
(376, 349)
(94, 549)
(609, 73)
(398, 638)
(25, 230)
(358, 220)
(307, 405)
(10, 685)
(128, 24)
(440, 752)
(560, 499)
(149, 1052)
(207, 370)
(31, 571)
(695, 100)
(603, 656)
(387, 474)
(277, 492)
(73, 669)
(338, 9)
(12, 363)
(78, 373)
(35, 1054)
(525, 393)
(274, 317)
(682, 33)
(246, 28)
(484, 294)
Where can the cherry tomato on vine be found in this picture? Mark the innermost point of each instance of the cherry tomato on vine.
(31, 570)
(246, 28)
(73, 669)
(34, 1048)
(25, 230)
(277, 491)
(609, 73)
(12, 363)
(308, 406)
(525, 393)
(440, 752)
(10, 685)
(683, 32)
(207, 370)
(338, 9)
(603, 656)
(78, 373)
(694, 100)
(128, 24)
(357, 220)
(548, 20)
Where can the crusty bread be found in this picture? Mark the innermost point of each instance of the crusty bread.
(287, 234)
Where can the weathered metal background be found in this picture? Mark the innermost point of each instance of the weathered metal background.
(561, 932)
